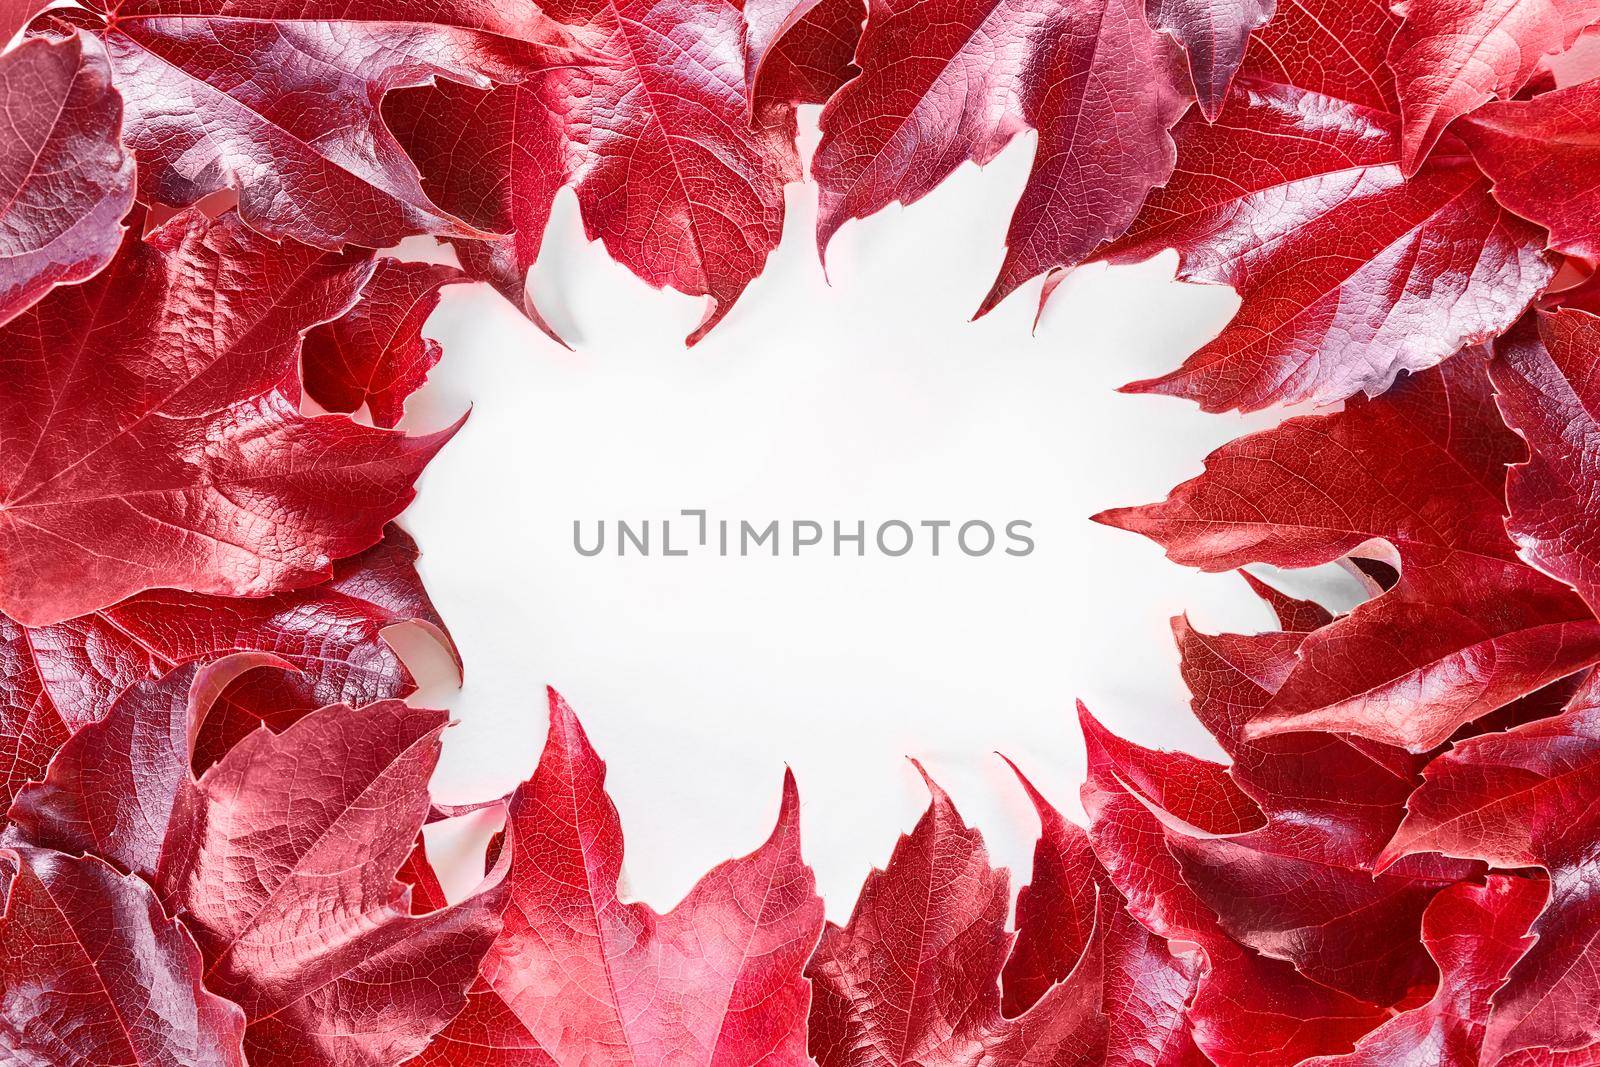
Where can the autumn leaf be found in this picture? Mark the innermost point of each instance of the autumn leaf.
(145, 443)
(1468, 628)
(579, 976)
(374, 355)
(216, 98)
(1347, 272)
(64, 175)
(1214, 33)
(1452, 55)
(92, 972)
(799, 52)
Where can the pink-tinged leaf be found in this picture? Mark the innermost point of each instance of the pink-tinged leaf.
(946, 82)
(1475, 933)
(418, 873)
(1549, 390)
(145, 443)
(282, 859)
(1466, 630)
(1452, 55)
(579, 976)
(57, 678)
(1249, 1010)
(92, 972)
(374, 354)
(1541, 156)
(913, 976)
(113, 788)
(1527, 798)
(1214, 33)
(672, 173)
(1347, 273)
(220, 97)
(65, 179)
(1280, 889)
(800, 52)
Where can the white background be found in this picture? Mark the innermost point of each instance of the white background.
(699, 678)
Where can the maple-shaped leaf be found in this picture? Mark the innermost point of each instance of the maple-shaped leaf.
(55, 679)
(1475, 933)
(1214, 34)
(1347, 273)
(945, 82)
(1549, 390)
(280, 102)
(579, 976)
(65, 178)
(914, 976)
(1283, 889)
(1467, 629)
(1248, 1010)
(1452, 55)
(1528, 798)
(1541, 155)
(374, 355)
(800, 51)
(92, 972)
(672, 172)
(144, 442)
(282, 859)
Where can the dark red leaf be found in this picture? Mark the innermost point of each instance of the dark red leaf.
(578, 976)
(282, 860)
(948, 81)
(1249, 1010)
(1549, 390)
(1281, 889)
(1542, 158)
(146, 445)
(1452, 55)
(93, 973)
(1467, 629)
(65, 179)
(670, 170)
(1295, 615)
(1214, 33)
(426, 892)
(800, 53)
(1526, 798)
(1475, 933)
(281, 102)
(1347, 273)
(375, 354)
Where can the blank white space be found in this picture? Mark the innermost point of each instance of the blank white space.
(874, 398)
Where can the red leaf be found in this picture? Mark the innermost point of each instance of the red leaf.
(1475, 933)
(578, 976)
(58, 678)
(282, 859)
(1249, 1010)
(1452, 55)
(1214, 33)
(1467, 629)
(92, 972)
(375, 354)
(1347, 273)
(66, 179)
(1549, 390)
(948, 81)
(914, 976)
(146, 445)
(669, 169)
(1541, 156)
(113, 788)
(217, 98)
(1528, 798)
(1280, 889)
(800, 52)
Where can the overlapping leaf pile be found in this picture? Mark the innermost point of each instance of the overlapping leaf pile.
(214, 788)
